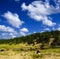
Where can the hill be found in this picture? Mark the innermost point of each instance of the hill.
(26, 47)
(46, 39)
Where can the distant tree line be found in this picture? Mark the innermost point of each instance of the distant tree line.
(43, 38)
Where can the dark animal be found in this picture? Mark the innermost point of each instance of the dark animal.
(2, 50)
(37, 52)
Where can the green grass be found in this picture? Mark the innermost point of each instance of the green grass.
(28, 51)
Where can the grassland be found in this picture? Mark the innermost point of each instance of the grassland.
(24, 51)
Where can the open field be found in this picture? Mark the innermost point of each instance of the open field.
(23, 51)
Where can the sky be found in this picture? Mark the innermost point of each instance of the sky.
(24, 17)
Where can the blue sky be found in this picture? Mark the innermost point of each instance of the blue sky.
(23, 17)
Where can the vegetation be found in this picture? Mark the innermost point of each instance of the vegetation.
(25, 47)
(46, 39)
(23, 51)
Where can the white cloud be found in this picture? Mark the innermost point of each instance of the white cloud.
(40, 11)
(24, 30)
(48, 22)
(6, 29)
(22, 33)
(7, 35)
(47, 29)
(34, 32)
(13, 19)
(41, 31)
(8, 32)
(12, 35)
(58, 28)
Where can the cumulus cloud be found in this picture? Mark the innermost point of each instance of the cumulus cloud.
(23, 31)
(40, 11)
(6, 29)
(7, 32)
(47, 29)
(34, 32)
(12, 35)
(41, 31)
(13, 19)
(7, 35)
(48, 22)
(58, 28)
